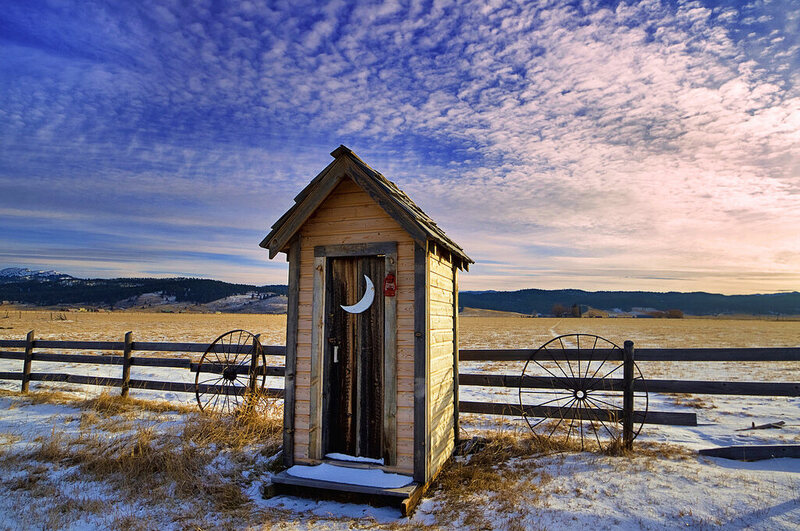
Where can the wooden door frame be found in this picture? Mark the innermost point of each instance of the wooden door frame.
(316, 406)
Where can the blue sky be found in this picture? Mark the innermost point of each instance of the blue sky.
(594, 145)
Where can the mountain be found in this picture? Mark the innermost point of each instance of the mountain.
(14, 274)
(533, 301)
(51, 288)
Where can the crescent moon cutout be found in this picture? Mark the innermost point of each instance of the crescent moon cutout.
(365, 301)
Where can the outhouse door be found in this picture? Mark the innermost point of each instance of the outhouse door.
(353, 385)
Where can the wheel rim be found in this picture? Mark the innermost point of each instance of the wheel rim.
(225, 375)
(567, 398)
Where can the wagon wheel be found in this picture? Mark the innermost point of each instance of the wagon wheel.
(564, 397)
(230, 370)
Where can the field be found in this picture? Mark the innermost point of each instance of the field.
(62, 453)
(476, 332)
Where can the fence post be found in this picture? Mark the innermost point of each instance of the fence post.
(126, 363)
(627, 396)
(26, 366)
(254, 363)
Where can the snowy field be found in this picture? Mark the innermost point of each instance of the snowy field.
(664, 485)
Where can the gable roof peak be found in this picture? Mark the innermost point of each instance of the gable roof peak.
(386, 193)
(341, 150)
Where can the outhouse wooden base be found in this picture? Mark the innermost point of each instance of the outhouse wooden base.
(405, 498)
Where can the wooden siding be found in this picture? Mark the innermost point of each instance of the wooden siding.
(440, 367)
(349, 215)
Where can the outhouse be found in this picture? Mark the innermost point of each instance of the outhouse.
(372, 326)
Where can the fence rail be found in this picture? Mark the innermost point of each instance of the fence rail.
(642, 354)
(29, 353)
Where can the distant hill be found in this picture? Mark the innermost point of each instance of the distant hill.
(538, 301)
(50, 288)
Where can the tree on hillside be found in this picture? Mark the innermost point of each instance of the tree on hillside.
(559, 310)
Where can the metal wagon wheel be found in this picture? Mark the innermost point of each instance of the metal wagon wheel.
(231, 367)
(572, 388)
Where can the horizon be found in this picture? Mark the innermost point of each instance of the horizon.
(598, 146)
(460, 290)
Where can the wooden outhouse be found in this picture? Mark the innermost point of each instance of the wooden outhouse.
(372, 326)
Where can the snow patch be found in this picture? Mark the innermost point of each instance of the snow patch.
(354, 458)
(350, 476)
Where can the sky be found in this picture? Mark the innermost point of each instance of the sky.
(593, 145)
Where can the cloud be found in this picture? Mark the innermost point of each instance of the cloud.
(584, 140)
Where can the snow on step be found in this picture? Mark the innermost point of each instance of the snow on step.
(354, 459)
(350, 476)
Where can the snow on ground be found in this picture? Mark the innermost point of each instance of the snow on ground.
(570, 491)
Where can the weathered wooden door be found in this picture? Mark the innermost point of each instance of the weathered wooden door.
(353, 381)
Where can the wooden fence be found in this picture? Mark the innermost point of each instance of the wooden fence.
(30, 351)
(29, 354)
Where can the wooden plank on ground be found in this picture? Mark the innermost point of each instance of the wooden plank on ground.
(753, 453)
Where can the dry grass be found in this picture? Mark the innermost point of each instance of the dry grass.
(108, 404)
(195, 465)
(505, 468)
(686, 400)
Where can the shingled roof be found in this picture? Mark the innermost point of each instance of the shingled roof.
(394, 201)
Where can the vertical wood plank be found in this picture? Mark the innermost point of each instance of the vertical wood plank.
(370, 332)
(627, 395)
(289, 378)
(126, 364)
(390, 367)
(317, 358)
(456, 429)
(421, 410)
(26, 364)
(355, 321)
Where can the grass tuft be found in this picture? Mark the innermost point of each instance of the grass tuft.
(198, 462)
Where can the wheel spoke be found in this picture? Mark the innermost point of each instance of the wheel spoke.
(606, 403)
(578, 340)
(596, 436)
(580, 419)
(210, 385)
(600, 420)
(549, 401)
(561, 417)
(598, 381)
(603, 362)
(216, 400)
(591, 357)
(538, 391)
(556, 362)
(564, 350)
(546, 369)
